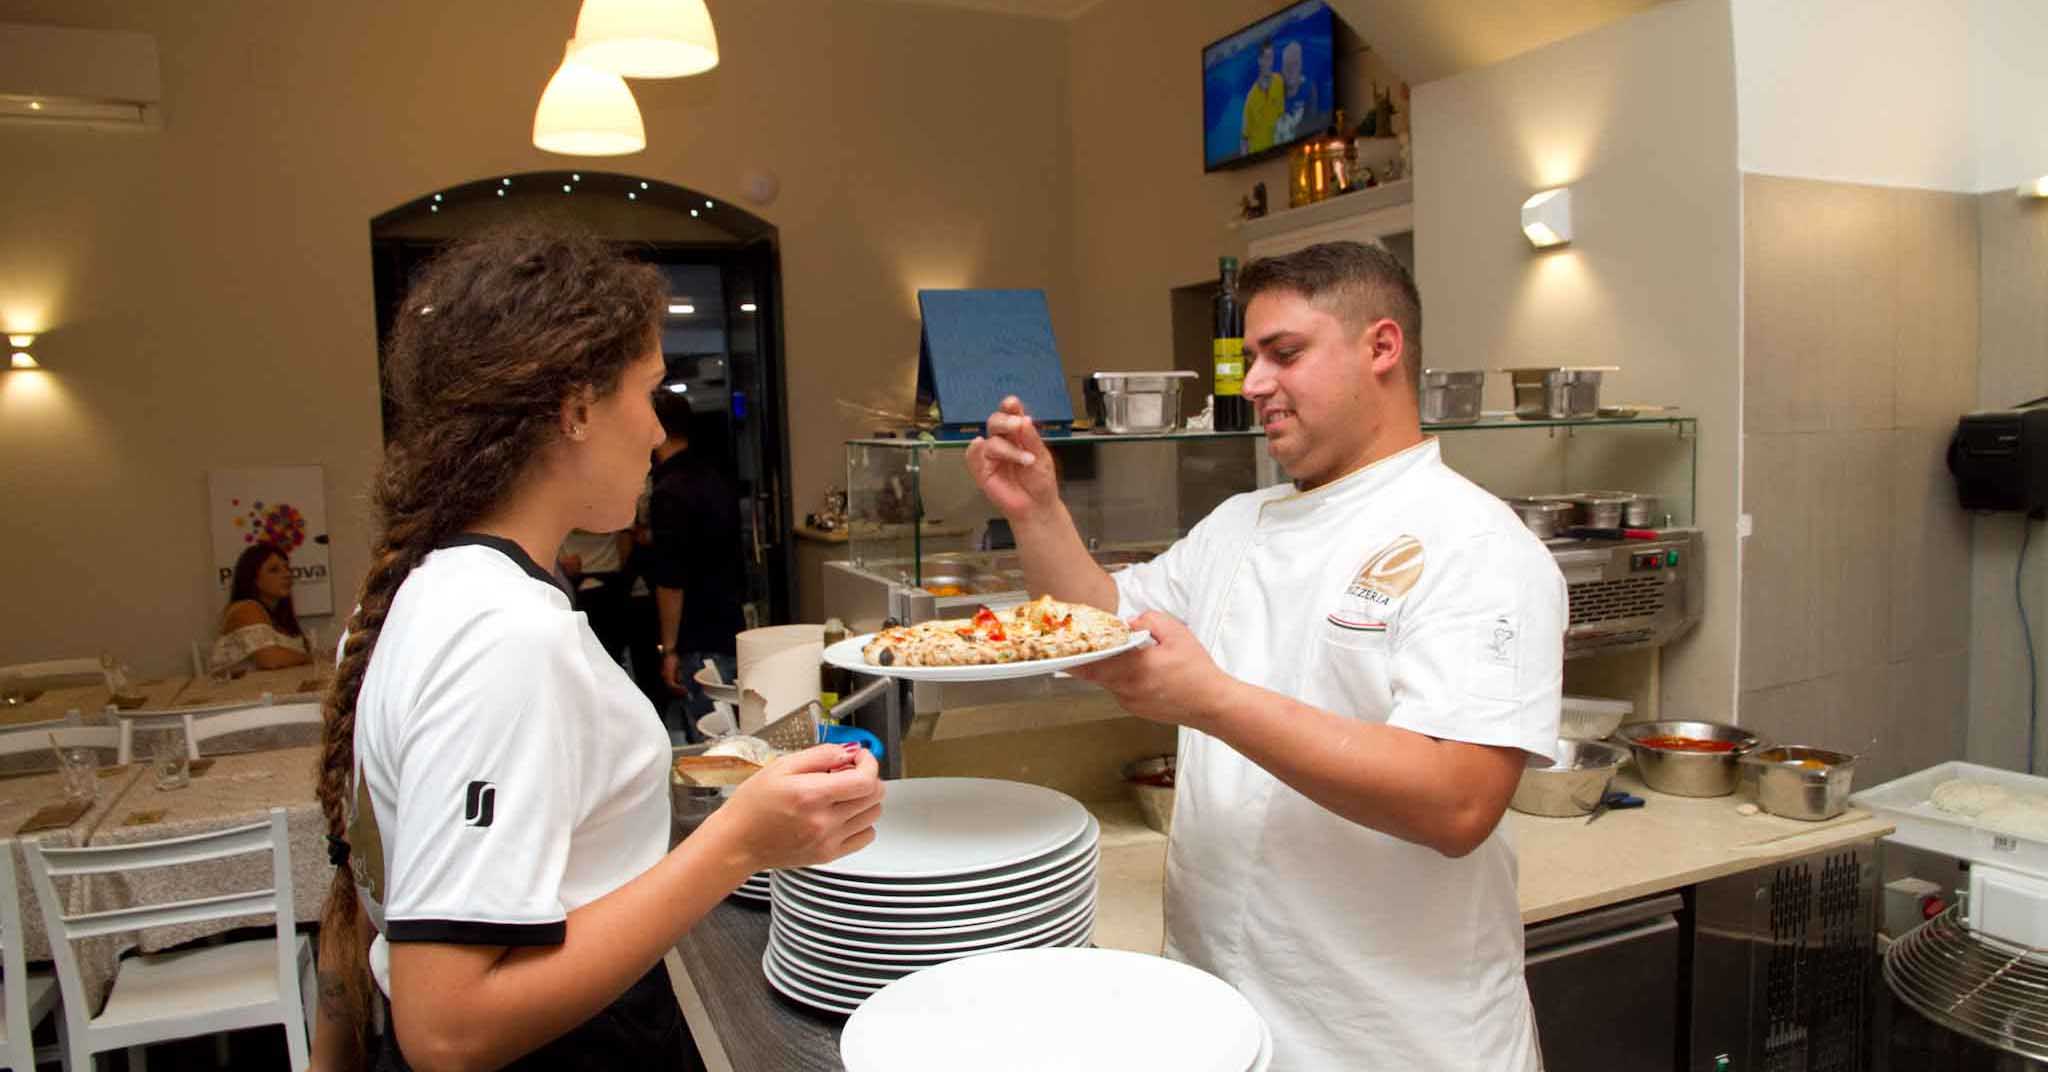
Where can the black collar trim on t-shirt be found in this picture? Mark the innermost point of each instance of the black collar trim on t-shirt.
(510, 550)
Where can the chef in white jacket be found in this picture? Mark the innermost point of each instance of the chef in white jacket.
(1362, 662)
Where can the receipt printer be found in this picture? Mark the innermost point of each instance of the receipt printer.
(2000, 460)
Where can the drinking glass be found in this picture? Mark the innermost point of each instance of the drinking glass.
(81, 767)
(172, 764)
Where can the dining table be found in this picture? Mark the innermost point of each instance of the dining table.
(220, 793)
(32, 810)
(201, 695)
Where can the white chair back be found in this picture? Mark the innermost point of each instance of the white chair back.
(198, 659)
(18, 1051)
(81, 864)
(50, 673)
(202, 728)
(37, 738)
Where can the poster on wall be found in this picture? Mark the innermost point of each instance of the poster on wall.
(282, 505)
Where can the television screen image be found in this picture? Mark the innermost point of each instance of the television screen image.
(1268, 85)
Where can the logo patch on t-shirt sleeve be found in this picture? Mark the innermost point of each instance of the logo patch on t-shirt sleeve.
(479, 804)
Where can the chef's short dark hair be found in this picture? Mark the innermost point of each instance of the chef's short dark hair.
(1352, 281)
(674, 412)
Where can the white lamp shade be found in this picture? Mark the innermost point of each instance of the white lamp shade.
(645, 38)
(587, 112)
(1547, 218)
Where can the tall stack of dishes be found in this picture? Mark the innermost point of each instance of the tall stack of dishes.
(959, 867)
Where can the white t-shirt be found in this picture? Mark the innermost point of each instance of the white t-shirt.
(1401, 594)
(513, 771)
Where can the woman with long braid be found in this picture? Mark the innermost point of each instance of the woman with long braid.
(496, 788)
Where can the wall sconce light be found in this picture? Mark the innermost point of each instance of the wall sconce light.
(2036, 188)
(20, 358)
(1547, 218)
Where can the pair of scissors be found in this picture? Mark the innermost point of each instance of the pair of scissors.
(1615, 799)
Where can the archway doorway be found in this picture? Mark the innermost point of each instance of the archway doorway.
(722, 340)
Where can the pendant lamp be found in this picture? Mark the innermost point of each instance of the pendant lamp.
(587, 112)
(645, 38)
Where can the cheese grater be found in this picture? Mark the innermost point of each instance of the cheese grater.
(795, 731)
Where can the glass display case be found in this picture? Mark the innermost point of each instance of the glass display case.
(923, 543)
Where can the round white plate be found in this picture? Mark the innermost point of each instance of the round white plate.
(942, 828)
(1070, 930)
(940, 904)
(801, 994)
(1088, 1009)
(1264, 1060)
(1083, 889)
(846, 656)
(1083, 844)
(916, 944)
(877, 974)
(836, 905)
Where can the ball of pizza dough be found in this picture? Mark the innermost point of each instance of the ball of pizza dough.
(1967, 798)
(2024, 814)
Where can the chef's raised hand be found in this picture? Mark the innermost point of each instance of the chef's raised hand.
(1170, 680)
(1011, 464)
(807, 808)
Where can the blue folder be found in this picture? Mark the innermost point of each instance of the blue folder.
(980, 346)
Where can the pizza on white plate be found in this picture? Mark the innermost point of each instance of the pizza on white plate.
(1044, 628)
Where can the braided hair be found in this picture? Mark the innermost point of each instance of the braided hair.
(492, 338)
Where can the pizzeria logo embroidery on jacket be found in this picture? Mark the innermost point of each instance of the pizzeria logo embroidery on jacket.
(1388, 575)
(479, 804)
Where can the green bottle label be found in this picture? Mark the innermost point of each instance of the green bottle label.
(1229, 367)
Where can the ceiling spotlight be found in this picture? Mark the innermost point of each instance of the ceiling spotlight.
(631, 196)
(707, 204)
(565, 187)
(437, 197)
(643, 186)
(693, 213)
(504, 182)
(35, 106)
(746, 307)
(575, 178)
(680, 309)
(433, 208)
(501, 191)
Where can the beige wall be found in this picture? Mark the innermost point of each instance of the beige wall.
(1145, 218)
(206, 292)
(2014, 333)
(1860, 328)
(1638, 117)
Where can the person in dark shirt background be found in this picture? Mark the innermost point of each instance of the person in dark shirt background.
(696, 564)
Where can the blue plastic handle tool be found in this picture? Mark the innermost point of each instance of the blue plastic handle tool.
(829, 734)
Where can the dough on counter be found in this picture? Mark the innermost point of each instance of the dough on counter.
(1967, 798)
(2024, 815)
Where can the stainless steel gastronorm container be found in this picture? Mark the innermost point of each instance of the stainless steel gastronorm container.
(1784, 788)
(1602, 509)
(1544, 517)
(1556, 393)
(1573, 785)
(1451, 396)
(1688, 774)
(1141, 403)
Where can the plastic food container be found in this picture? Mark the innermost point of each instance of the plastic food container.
(1451, 397)
(1589, 718)
(1140, 403)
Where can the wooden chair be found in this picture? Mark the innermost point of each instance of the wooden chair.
(161, 996)
(36, 738)
(27, 998)
(202, 728)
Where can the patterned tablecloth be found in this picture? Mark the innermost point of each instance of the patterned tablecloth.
(20, 798)
(292, 684)
(54, 705)
(235, 791)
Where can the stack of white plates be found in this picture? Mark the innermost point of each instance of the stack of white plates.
(1070, 1009)
(755, 888)
(959, 867)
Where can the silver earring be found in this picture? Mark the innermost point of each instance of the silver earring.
(576, 432)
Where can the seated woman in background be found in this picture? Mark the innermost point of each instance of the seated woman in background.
(259, 630)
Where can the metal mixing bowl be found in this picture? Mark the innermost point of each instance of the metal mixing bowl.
(1573, 785)
(1788, 783)
(1688, 774)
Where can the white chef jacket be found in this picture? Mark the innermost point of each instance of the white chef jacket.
(1401, 594)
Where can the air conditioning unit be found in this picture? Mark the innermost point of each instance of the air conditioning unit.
(99, 79)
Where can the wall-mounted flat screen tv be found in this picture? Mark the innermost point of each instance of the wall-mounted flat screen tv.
(1268, 85)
